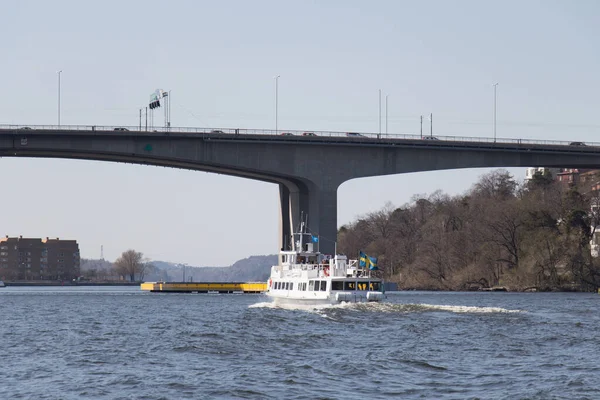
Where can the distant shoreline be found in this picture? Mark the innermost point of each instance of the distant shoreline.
(8, 284)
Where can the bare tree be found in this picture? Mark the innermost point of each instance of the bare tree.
(497, 184)
(131, 263)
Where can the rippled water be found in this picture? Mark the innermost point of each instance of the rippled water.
(121, 343)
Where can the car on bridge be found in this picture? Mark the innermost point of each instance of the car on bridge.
(576, 144)
(121, 129)
(216, 131)
(354, 134)
(309, 134)
(430, 138)
(286, 134)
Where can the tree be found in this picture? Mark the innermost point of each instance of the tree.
(131, 263)
(498, 184)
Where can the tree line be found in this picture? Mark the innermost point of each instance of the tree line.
(130, 266)
(530, 236)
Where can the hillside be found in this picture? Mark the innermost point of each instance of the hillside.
(251, 269)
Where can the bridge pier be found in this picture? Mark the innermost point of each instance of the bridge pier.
(324, 223)
(318, 205)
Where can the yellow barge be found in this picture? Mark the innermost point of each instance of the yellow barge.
(204, 287)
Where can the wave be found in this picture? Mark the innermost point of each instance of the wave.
(386, 308)
(294, 306)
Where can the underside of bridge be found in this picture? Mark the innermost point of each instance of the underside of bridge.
(308, 170)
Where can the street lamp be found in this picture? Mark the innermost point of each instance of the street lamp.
(59, 97)
(386, 114)
(276, 100)
(495, 87)
(379, 134)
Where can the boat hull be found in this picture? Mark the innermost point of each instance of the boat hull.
(329, 298)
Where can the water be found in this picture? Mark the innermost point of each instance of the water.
(121, 343)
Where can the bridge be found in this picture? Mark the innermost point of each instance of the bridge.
(308, 166)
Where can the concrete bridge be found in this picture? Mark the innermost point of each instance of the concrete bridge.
(308, 166)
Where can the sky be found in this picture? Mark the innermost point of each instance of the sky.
(219, 60)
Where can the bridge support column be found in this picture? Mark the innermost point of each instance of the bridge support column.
(322, 217)
(285, 217)
(319, 204)
(294, 201)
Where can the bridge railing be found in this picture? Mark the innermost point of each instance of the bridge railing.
(306, 135)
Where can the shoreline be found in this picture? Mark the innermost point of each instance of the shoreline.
(16, 284)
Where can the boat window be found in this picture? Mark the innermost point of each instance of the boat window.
(323, 286)
(311, 285)
(362, 285)
(349, 285)
(276, 285)
(291, 285)
(317, 286)
(337, 285)
(304, 286)
(375, 286)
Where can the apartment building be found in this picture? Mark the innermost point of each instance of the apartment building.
(38, 259)
(530, 172)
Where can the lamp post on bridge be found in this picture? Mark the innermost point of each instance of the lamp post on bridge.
(495, 87)
(379, 134)
(386, 114)
(276, 101)
(59, 97)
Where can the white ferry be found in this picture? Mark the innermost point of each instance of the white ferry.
(306, 276)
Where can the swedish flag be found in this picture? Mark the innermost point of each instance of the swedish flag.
(372, 263)
(366, 261)
(363, 260)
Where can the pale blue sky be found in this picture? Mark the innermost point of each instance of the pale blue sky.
(219, 60)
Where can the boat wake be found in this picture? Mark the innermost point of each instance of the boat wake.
(295, 306)
(387, 308)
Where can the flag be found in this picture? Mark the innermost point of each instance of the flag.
(366, 261)
(372, 263)
(315, 239)
(362, 260)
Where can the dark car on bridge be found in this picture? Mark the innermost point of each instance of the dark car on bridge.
(309, 134)
(121, 129)
(430, 138)
(354, 134)
(576, 144)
